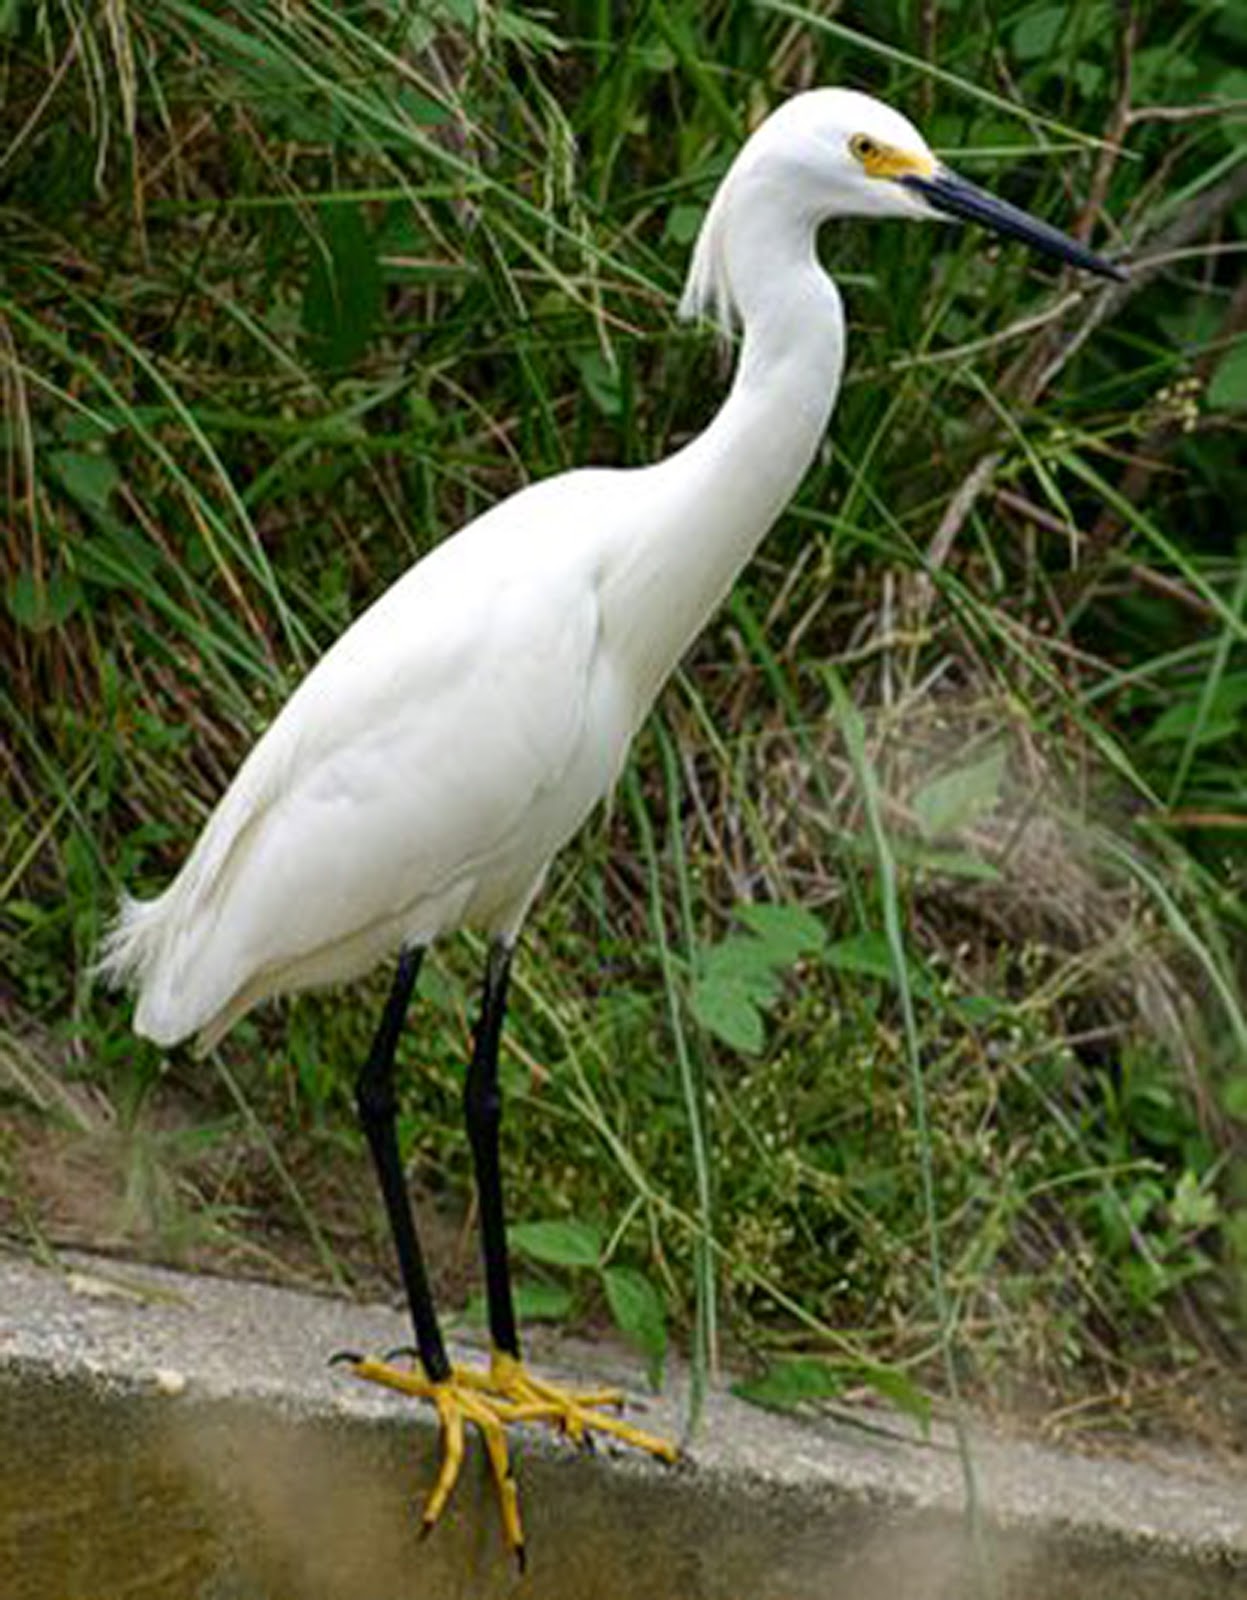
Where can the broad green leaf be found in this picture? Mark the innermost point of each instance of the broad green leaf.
(87, 476)
(792, 1382)
(1234, 1097)
(1037, 32)
(1231, 87)
(954, 800)
(1222, 716)
(787, 932)
(542, 1302)
(1193, 1207)
(442, 988)
(979, 1007)
(868, 953)
(683, 224)
(638, 1312)
(559, 1243)
(41, 604)
(742, 959)
(861, 952)
(342, 295)
(948, 863)
(534, 1302)
(421, 109)
(1227, 389)
(899, 1390)
(729, 1010)
(1159, 72)
(601, 380)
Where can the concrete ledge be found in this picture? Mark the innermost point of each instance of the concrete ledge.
(171, 1436)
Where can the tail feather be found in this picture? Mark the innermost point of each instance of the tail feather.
(133, 955)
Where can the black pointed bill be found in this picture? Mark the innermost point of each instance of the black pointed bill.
(954, 197)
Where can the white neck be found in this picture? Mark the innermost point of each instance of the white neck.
(702, 512)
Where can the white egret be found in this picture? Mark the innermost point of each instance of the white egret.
(426, 771)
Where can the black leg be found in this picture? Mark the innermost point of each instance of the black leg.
(482, 1104)
(378, 1107)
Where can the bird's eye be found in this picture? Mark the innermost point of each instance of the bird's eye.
(863, 146)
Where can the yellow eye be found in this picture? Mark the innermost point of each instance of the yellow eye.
(864, 147)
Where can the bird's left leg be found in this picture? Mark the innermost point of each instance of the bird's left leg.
(457, 1402)
(528, 1398)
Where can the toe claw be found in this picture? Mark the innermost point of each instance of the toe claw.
(492, 1403)
(344, 1358)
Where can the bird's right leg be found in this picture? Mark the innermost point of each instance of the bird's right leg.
(519, 1393)
(456, 1396)
(377, 1104)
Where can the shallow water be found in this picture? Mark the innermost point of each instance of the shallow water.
(107, 1494)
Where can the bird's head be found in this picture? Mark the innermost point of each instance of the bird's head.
(852, 156)
(838, 153)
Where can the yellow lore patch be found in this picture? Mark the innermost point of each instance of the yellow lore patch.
(886, 160)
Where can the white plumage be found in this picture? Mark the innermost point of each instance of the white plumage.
(426, 771)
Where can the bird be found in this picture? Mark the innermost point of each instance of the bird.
(425, 773)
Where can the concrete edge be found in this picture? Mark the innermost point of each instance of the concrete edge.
(136, 1328)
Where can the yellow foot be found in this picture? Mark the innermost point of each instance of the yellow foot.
(493, 1400)
(459, 1400)
(573, 1412)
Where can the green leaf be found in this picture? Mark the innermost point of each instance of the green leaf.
(442, 988)
(1222, 716)
(745, 961)
(87, 476)
(861, 952)
(10, 18)
(1227, 388)
(1193, 1207)
(729, 1010)
(792, 1382)
(601, 381)
(787, 932)
(342, 295)
(534, 1302)
(683, 224)
(952, 801)
(38, 605)
(1037, 32)
(900, 1391)
(1231, 86)
(519, 29)
(428, 113)
(947, 863)
(1161, 73)
(1234, 1097)
(979, 1007)
(559, 1243)
(868, 953)
(637, 1309)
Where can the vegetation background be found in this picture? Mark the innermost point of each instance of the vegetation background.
(890, 1026)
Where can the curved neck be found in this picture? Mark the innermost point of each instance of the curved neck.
(784, 389)
(705, 509)
(756, 450)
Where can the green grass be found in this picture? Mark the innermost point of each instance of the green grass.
(333, 279)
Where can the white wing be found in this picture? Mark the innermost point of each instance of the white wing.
(421, 776)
